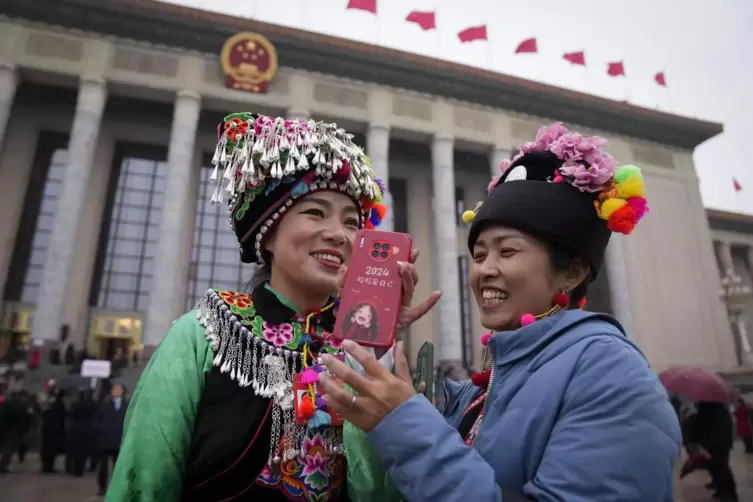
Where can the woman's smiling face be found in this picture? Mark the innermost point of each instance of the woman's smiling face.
(314, 240)
(511, 275)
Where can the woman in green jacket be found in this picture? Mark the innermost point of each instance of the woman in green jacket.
(214, 416)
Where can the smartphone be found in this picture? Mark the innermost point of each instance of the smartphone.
(425, 370)
(372, 296)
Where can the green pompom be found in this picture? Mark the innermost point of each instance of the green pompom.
(625, 172)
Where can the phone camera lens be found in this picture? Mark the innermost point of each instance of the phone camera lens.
(386, 247)
(375, 254)
(384, 254)
(376, 245)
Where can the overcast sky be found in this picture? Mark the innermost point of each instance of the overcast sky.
(705, 48)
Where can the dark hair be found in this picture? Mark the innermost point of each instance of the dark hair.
(261, 275)
(372, 330)
(561, 259)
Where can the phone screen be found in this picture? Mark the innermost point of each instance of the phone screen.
(425, 370)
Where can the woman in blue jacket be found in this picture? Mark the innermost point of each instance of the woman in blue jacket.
(566, 408)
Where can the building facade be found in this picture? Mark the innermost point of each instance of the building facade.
(108, 116)
(733, 245)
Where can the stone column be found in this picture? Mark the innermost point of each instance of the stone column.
(90, 104)
(498, 154)
(724, 252)
(163, 309)
(445, 246)
(8, 85)
(618, 281)
(378, 150)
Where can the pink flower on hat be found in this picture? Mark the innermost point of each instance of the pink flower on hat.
(591, 178)
(545, 137)
(493, 183)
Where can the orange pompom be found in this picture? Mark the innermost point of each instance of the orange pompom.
(306, 409)
(381, 210)
(623, 220)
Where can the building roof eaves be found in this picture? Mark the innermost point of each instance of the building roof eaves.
(204, 31)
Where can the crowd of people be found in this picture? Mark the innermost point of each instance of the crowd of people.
(70, 435)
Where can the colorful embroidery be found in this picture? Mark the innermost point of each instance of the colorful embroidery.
(248, 197)
(286, 335)
(313, 476)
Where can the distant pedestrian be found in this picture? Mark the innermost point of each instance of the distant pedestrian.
(109, 424)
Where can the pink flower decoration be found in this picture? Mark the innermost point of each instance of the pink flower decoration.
(314, 457)
(545, 137)
(492, 183)
(279, 335)
(588, 179)
(639, 205)
(505, 165)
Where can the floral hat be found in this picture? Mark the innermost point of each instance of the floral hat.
(566, 189)
(264, 164)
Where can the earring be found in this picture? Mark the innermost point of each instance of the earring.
(560, 302)
(561, 298)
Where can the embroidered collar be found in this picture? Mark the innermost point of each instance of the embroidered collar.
(241, 336)
(276, 309)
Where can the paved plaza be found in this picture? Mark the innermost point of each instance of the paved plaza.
(25, 484)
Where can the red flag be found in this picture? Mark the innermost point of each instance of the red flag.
(659, 78)
(426, 20)
(527, 46)
(473, 33)
(737, 185)
(616, 69)
(577, 58)
(367, 5)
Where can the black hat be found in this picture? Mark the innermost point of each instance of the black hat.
(564, 189)
(268, 163)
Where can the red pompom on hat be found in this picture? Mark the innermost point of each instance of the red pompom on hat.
(623, 220)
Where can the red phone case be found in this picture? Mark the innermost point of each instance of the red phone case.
(371, 299)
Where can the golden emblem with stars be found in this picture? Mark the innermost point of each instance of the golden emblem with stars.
(249, 62)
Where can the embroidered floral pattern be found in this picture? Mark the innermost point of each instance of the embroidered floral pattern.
(286, 335)
(312, 476)
(280, 335)
(248, 197)
(240, 300)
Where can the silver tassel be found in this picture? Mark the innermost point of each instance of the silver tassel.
(289, 166)
(303, 163)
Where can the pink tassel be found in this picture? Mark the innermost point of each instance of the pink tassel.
(309, 376)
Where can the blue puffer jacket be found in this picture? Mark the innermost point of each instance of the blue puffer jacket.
(575, 413)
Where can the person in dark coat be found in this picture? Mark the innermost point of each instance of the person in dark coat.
(713, 429)
(109, 423)
(30, 413)
(80, 426)
(15, 418)
(53, 430)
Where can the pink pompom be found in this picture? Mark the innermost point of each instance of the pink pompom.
(309, 376)
(485, 339)
(639, 205)
(527, 319)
